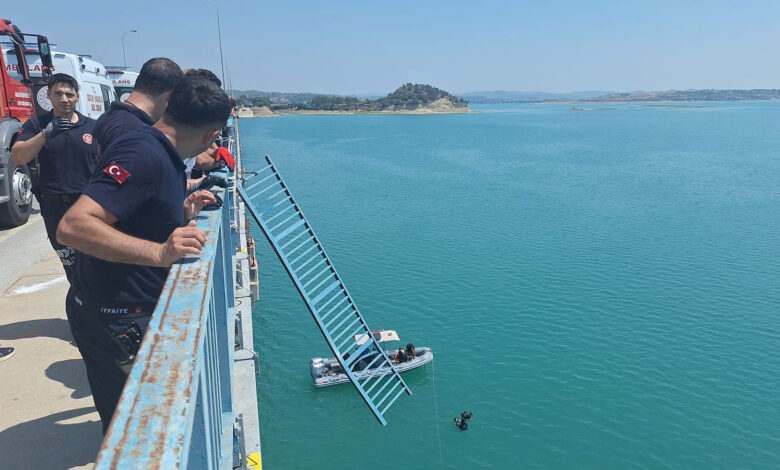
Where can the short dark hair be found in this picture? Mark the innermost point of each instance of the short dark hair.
(196, 102)
(204, 73)
(63, 78)
(158, 76)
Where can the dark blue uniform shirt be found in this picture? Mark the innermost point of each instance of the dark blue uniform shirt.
(149, 204)
(120, 119)
(66, 160)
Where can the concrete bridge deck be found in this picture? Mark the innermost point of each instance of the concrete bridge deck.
(47, 419)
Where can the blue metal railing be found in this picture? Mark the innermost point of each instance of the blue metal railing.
(176, 410)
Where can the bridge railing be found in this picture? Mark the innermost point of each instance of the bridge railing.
(176, 410)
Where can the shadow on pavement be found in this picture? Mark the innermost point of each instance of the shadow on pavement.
(49, 327)
(72, 374)
(47, 443)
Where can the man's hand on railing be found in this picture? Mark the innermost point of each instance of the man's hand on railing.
(183, 241)
(195, 202)
(218, 203)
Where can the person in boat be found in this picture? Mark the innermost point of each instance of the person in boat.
(400, 356)
(462, 422)
(411, 352)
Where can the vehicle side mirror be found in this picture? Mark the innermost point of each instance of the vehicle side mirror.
(45, 51)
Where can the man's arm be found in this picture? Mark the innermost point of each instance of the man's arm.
(207, 159)
(205, 183)
(88, 228)
(25, 151)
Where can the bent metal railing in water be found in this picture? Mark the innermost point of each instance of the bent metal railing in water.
(322, 289)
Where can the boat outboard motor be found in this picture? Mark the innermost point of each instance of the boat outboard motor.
(317, 367)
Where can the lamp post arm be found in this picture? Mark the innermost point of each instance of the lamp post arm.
(124, 56)
(219, 33)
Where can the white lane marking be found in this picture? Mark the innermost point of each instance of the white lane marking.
(37, 287)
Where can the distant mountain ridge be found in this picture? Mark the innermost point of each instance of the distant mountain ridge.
(496, 97)
(501, 96)
(758, 94)
(278, 97)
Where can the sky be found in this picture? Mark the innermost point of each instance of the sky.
(372, 47)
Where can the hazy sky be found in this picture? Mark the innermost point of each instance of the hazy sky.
(373, 47)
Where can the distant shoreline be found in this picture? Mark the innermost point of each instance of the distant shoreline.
(653, 101)
(244, 112)
(416, 111)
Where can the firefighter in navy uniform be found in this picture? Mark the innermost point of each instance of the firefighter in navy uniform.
(63, 141)
(130, 226)
(143, 107)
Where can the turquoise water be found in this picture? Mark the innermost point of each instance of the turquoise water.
(600, 287)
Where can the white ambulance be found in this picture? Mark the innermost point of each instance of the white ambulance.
(123, 81)
(96, 92)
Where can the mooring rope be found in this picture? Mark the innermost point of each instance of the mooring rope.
(436, 410)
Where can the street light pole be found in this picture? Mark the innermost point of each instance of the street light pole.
(219, 32)
(124, 57)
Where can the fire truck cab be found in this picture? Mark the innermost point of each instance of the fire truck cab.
(16, 106)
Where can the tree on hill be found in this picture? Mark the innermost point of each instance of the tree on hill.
(261, 101)
(331, 103)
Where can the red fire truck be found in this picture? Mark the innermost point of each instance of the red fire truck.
(17, 104)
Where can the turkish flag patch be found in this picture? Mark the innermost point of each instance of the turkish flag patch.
(117, 172)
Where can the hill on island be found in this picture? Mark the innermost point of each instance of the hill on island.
(412, 96)
(408, 97)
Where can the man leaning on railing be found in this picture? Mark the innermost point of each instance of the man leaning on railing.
(130, 228)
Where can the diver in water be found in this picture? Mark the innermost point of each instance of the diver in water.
(462, 422)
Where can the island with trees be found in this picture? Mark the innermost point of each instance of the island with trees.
(410, 98)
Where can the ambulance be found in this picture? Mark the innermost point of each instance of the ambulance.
(96, 92)
(123, 81)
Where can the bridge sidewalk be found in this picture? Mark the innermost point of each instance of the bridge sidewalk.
(47, 418)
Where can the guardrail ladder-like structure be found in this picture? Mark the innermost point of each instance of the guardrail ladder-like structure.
(321, 288)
